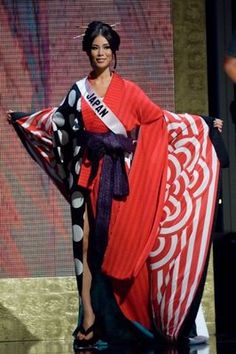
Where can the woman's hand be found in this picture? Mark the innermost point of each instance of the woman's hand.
(9, 116)
(218, 123)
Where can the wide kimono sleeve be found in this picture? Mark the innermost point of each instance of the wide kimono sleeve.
(52, 138)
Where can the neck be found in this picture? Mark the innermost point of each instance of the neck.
(102, 75)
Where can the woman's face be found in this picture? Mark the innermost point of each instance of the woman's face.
(101, 53)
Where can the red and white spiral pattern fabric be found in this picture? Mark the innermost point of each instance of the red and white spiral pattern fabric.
(178, 257)
(36, 133)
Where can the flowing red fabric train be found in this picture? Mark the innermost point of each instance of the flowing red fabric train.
(182, 241)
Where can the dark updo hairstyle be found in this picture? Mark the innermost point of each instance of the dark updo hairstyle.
(97, 28)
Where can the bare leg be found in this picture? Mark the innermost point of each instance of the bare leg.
(89, 317)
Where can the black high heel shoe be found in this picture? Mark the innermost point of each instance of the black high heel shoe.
(85, 344)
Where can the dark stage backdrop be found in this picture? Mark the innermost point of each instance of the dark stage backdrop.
(39, 61)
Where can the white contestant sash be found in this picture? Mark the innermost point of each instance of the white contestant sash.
(101, 110)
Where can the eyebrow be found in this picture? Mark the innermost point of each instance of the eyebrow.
(103, 45)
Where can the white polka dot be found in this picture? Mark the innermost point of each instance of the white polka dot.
(77, 233)
(76, 150)
(77, 166)
(78, 266)
(71, 98)
(77, 199)
(76, 125)
(60, 153)
(63, 137)
(59, 119)
(78, 107)
(71, 180)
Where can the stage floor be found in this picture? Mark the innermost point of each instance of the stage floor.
(66, 347)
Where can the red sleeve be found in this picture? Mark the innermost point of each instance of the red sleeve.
(146, 110)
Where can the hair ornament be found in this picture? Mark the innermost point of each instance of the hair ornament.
(115, 24)
(80, 35)
(85, 27)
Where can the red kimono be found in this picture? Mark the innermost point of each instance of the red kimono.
(159, 235)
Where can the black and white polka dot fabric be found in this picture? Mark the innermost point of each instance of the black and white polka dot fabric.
(67, 128)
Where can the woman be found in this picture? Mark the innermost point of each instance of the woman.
(139, 181)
